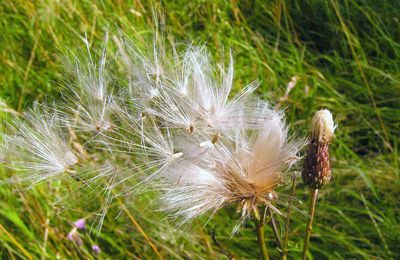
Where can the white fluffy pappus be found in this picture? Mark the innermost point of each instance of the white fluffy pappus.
(180, 128)
(38, 147)
(246, 172)
(188, 92)
(91, 104)
(222, 148)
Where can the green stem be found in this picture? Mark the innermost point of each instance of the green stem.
(260, 234)
(314, 194)
(289, 214)
(276, 233)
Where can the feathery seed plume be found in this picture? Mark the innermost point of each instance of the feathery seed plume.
(92, 99)
(209, 148)
(180, 128)
(38, 146)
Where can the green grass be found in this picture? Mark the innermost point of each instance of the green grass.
(345, 55)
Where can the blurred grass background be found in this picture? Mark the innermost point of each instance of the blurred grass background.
(344, 56)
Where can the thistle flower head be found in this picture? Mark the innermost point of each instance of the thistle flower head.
(316, 169)
(75, 237)
(80, 224)
(96, 249)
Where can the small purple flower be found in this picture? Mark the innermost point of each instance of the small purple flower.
(73, 236)
(96, 249)
(80, 224)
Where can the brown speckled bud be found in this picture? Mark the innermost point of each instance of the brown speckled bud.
(316, 170)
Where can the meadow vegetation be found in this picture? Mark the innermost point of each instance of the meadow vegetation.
(340, 55)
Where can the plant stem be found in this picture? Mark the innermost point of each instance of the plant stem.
(141, 231)
(224, 251)
(260, 234)
(288, 216)
(276, 233)
(314, 194)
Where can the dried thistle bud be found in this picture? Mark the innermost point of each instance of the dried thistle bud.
(322, 126)
(316, 170)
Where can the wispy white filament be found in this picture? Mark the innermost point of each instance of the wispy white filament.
(175, 125)
(38, 146)
(91, 102)
(223, 148)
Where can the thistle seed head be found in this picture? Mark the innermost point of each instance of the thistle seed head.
(177, 125)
